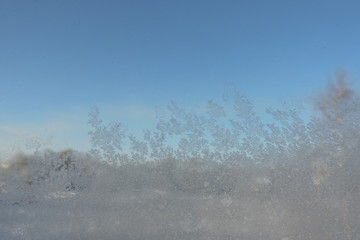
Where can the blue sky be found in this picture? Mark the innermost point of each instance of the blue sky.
(59, 58)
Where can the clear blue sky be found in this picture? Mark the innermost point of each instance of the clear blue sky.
(59, 58)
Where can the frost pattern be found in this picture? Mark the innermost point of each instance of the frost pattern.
(219, 172)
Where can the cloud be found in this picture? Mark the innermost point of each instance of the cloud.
(59, 130)
(129, 112)
(25, 137)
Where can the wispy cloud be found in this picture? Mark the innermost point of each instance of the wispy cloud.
(58, 130)
(25, 137)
